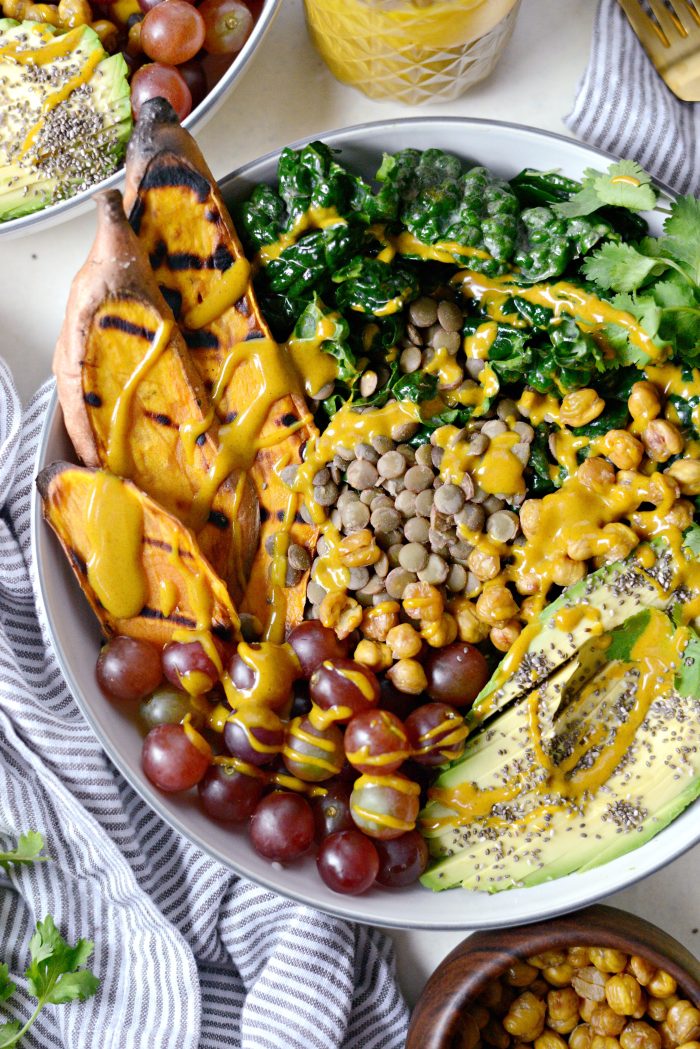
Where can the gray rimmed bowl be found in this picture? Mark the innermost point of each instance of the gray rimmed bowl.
(65, 209)
(506, 148)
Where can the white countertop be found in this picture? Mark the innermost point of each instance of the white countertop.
(287, 94)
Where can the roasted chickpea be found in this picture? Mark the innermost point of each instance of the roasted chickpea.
(378, 620)
(525, 1017)
(602, 1041)
(558, 975)
(562, 1010)
(565, 571)
(624, 995)
(623, 449)
(408, 676)
(74, 13)
(484, 563)
(662, 440)
(606, 1021)
(505, 635)
(644, 401)
(341, 613)
(359, 550)
(640, 1035)
(373, 654)
(403, 641)
(469, 627)
(662, 984)
(680, 514)
(530, 516)
(495, 604)
(550, 1040)
(107, 32)
(422, 601)
(683, 1021)
(578, 957)
(439, 632)
(589, 983)
(581, 1037)
(596, 473)
(46, 13)
(520, 974)
(687, 473)
(581, 407)
(642, 970)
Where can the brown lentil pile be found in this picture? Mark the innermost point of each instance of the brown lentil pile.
(585, 998)
(433, 325)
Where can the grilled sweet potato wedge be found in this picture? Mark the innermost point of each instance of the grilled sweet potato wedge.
(134, 402)
(179, 215)
(139, 567)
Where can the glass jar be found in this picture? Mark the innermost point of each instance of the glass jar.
(411, 50)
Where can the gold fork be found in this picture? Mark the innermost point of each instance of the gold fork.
(672, 40)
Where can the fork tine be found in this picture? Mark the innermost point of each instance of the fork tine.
(646, 29)
(687, 23)
(664, 18)
(694, 8)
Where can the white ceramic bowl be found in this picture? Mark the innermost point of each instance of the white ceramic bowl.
(56, 213)
(505, 148)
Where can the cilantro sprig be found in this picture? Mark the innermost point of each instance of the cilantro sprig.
(625, 185)
(28, 850)
(658, 280)
(56, 973)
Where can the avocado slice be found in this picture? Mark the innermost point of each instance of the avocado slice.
(598, 603)
(66, 114)
(595, 759)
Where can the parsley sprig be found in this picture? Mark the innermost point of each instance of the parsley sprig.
(56, 973)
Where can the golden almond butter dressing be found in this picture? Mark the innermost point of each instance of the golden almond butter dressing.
(118, 451)
(253, 716)
(56, 97)
(476, 347)
(114, 527)
(312, 218)
(309, 744)
(230, 288)
(388, 783)
(315, 367)
(405, 243)
(364, 756)
(600, 745)
(270, 664)
(590, 312)
(452, 734)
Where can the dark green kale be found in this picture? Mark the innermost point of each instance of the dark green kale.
(374, 287)
(540, 480)
(548, 243)
(260, 219)
(311, 178)
(336, 344)
(417, 387)
(510, 355)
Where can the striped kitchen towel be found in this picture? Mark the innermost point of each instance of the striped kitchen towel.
(623, 105)
(188, 955)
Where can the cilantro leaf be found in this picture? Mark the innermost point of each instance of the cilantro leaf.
(7, 987)
(28, 850)
(691, 540)
(682, 240)
(9, 1032)
(51, 958)
(626, 185)
(620, 267)
(624, 637)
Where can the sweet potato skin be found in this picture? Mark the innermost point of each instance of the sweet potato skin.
(114, 316)
(177, 210)
(170, 560)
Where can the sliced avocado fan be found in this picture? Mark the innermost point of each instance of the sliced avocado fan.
(581, 764)
(66, 114)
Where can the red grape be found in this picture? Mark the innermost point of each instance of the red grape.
(171, 760)
(194, 76)
(384, 806)
(158, 81)
(264, 673)
(437, 734)
(332, 810)
(402, 860)
(228, 794)
(282, 826)
(348, 862)
(186, 665)
(399, 703)
(343, 686)
(456, 674)
(172, 32)
(228, 25)
(313, 754)
(128, 668)
(148, 5)
(168, 706)
(376, 741)
(313, 642)
(254, 734)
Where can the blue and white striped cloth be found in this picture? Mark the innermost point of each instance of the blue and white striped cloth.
(188, 954)
(622, 105)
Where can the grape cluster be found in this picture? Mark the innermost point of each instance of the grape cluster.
(320, 751)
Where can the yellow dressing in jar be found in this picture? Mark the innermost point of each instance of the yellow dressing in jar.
(411, 50)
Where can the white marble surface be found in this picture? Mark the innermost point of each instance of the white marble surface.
(287, 94)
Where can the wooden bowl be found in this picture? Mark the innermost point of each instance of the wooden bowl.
(482, 957)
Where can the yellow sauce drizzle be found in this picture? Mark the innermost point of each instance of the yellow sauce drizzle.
(229, 289)
(316, 368)
(313, 218)
(114, 527)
